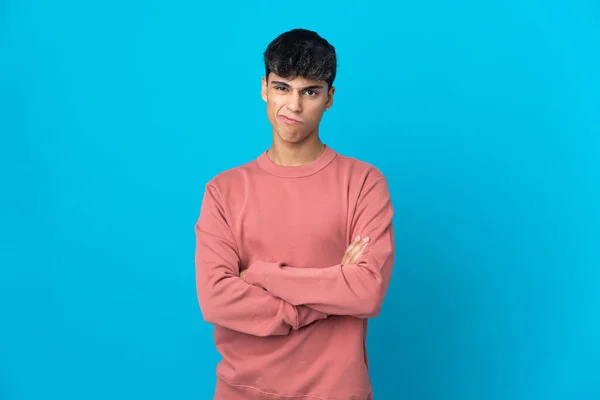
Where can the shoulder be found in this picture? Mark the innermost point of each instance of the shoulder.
(359, 170)
(232, 181)
(231, 176)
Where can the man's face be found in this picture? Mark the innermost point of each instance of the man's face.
(295, 107)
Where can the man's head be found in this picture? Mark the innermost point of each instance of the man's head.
(298, 87)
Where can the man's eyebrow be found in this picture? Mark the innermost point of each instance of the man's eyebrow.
(311, 87)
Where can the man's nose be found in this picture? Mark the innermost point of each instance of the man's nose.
(295, 103)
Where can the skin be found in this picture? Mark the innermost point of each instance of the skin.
(295, 108)
(355, 250)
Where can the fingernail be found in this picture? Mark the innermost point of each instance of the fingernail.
(357, 238)
(366, 239)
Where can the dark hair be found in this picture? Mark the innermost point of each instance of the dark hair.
(301, 53)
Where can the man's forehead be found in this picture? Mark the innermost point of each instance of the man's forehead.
(296, 82)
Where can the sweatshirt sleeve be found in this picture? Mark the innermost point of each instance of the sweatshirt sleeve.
(224, 298)
(351, 289)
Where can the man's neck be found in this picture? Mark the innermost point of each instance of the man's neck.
(293, 155)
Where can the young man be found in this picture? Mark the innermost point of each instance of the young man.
(294, 250)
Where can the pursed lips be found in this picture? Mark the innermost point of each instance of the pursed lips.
(289, 120)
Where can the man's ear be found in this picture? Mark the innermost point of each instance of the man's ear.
(263, 92)
(329, 102)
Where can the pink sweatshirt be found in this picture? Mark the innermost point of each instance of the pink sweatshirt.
(296, 327)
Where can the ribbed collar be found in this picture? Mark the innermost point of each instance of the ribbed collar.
(296, 171)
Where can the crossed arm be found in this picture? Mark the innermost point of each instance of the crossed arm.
(277, 297)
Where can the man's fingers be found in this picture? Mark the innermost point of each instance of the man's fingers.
(353, 245)
(355, 250)
(361, 247)
(349, 249)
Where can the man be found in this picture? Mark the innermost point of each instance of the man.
(294, 250)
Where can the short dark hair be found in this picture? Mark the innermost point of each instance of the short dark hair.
(301, 53)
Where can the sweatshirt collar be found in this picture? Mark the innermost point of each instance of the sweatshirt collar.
(296, 171)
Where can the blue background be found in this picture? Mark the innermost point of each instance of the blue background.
(485, 118)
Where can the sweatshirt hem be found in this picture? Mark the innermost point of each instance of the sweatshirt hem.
(274, 395)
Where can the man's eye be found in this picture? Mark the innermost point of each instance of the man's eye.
(311, 93)
(279, 88)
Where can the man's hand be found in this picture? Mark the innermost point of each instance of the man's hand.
(355, 250)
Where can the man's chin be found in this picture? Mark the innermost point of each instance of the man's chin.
(291, 137)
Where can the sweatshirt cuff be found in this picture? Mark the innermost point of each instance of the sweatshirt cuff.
(257, 273)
